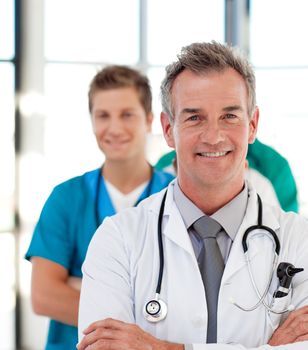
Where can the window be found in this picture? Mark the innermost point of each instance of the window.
(7, 175)
(170, 26)
(280, 56)
(92, 31)
(6, 29)
(7, 156)
(173, 24)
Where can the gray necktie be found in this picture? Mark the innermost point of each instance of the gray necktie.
(211, 267)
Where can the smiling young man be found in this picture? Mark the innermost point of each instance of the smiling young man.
(206, 297)
(121, 115)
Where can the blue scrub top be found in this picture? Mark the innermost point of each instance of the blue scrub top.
(65, 228)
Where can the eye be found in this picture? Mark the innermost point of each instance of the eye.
(229, 117)
(194, 117)
(101, 115)
(127, 114)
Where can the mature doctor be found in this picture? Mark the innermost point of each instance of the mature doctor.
(209, 116)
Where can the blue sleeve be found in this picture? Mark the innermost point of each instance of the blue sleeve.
(160, 180)
(51, 238)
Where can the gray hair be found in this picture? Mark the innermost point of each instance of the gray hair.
(206, 57)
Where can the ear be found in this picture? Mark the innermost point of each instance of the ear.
(253, 126)
(167, 129)
(149, 121)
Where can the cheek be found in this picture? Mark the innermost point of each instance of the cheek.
(241, 134)
(138, 132)
(98, 129)
(184, 139)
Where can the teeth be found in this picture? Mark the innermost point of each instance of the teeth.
(213, 154)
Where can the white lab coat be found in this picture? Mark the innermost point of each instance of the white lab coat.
(122, 264)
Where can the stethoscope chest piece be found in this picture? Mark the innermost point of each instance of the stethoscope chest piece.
(155, 310)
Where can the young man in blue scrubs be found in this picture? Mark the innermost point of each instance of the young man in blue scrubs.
(121, 115)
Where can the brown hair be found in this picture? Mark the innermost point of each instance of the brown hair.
(113, 77)
(205, 57)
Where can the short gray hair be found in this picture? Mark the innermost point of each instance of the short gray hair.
(206, 57)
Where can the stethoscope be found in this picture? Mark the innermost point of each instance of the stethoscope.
(156, 309)
(148, 192)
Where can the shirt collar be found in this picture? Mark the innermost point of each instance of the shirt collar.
(229, 216)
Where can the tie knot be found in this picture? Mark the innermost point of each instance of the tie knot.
(207, 227)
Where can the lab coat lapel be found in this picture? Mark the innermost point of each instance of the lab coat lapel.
(173, 226)
(237, 260)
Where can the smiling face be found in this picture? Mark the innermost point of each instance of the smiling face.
(120, 123)
(210, 130)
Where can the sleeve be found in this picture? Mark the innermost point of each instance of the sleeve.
(276, 168)
(286, 188)
(51, 238)
(106, 288)
(297, 248)
(188, 347)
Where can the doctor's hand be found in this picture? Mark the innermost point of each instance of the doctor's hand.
(294, 329)
(117, 335)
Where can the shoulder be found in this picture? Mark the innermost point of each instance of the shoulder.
(139, 215)
(293, 227)
(165, 160)
(162, 177)
(130, 227)
(78, 180)
(73, 185)
(260, 152)
(294, 222)
(272, 165)
(263, 186)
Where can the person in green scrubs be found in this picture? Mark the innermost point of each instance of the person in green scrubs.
(271, 174)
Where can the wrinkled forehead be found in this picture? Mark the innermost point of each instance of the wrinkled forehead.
(200, 88)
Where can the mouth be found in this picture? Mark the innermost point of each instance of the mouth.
(116, 143)
(213, 154)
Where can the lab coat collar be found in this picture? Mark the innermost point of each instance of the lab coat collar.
(174, 228)
(173, 224)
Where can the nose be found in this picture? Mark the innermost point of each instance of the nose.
(114, 126)
(211, 133)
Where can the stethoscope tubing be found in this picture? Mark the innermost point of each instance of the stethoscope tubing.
(259, 226)
(160, 245)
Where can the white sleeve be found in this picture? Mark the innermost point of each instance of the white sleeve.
(300, 288)
(106, 287)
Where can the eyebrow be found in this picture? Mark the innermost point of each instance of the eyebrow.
(225, 109)
(190, 110)
(232, 108)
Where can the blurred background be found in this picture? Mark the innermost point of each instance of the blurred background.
(49, 51)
